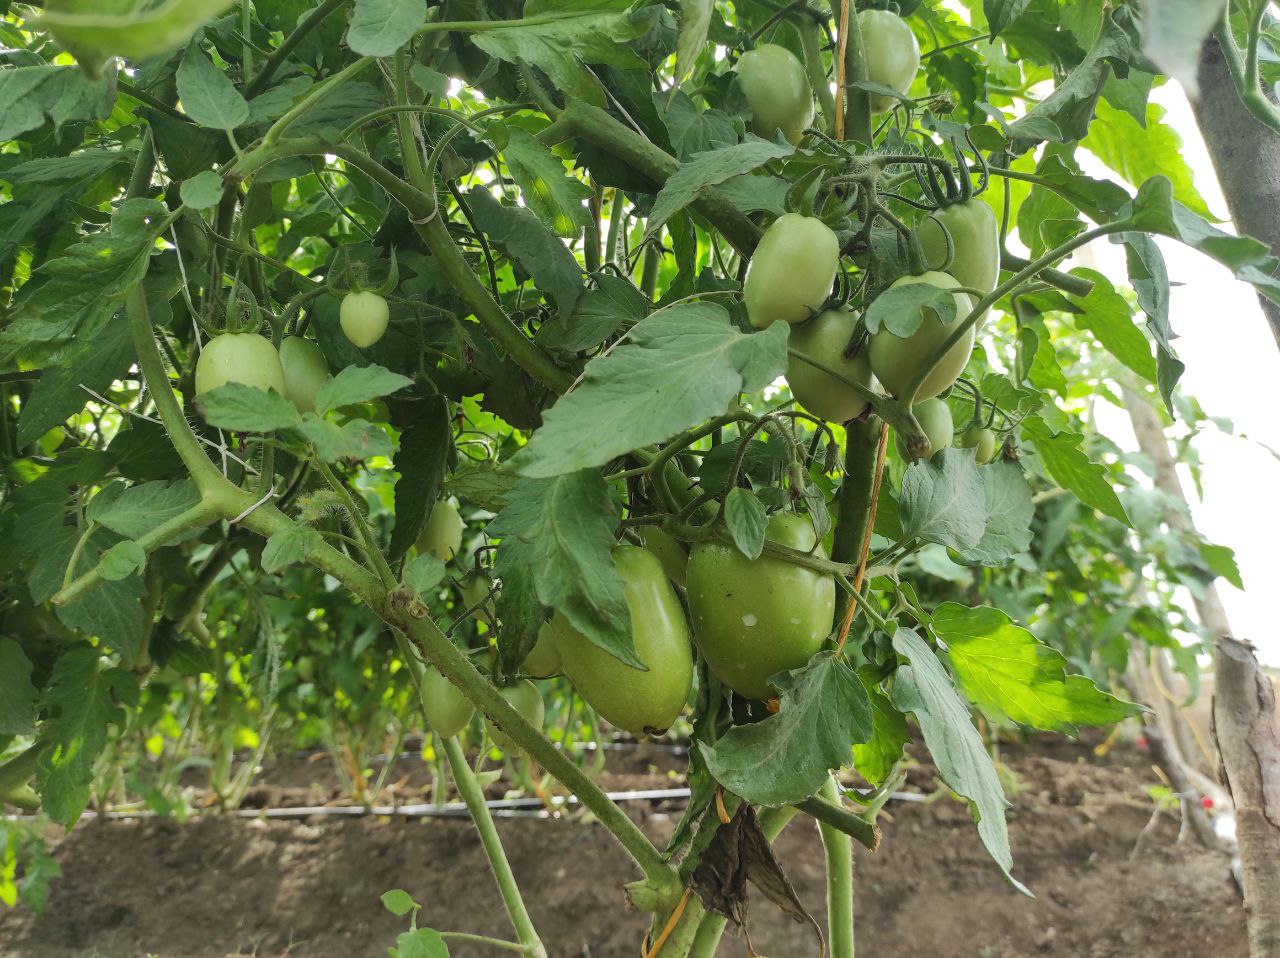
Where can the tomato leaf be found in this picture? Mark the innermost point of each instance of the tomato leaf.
(482, 483)
(17, 694)
(423, 573)
(381, 27)
(943, 501)
(532, 245)
(1001, 13)
(744, 516)
(358, 384)
(244, 408)
(80, 701)
(921, 686)
(426, 450)
(1009, 514)
(679, 367)
(122, 560)
(398, 902)
(289, 547)
(355, 440)
(599, 313)
(695, 20)
(203, 191)
(901, 310)
(1068, 465)
(706, 170)
(140, 31)
(32, 95)
(207, 93)
(133, 511)
(560, 46)
(1012, 676)
(876, 758)
(786, 757)
(556, 198)
(557, 538)
(421, 943)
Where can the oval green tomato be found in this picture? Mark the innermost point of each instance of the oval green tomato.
(364, 317)
(671, 552)
(447, 709)
(773, 81)
(525, 699)
(639, 702)
(239, 358)
(893, 55)
(753, 618)
(543, 660)
(792, 270)
(825, 338)
(934, 416)
(442, 535)
(980, 439)
(305, 371)
(895, 360)
(975, 243)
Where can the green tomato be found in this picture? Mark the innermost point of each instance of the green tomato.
(448, 711)
(981, 439)
(239, 358)
(825, 338)
(671, 552)
(895, 360)
(364, 316)
(934, 416)
(791, 271)
(773, 81)
(442, 535)
(543, 660)
(893, 55)
(305, 371)
(642, 703)
(525, 699)
(753, 618)
(975, 243)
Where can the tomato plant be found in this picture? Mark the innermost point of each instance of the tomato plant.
(754, 618)
(897, 360)
(980, 439)
(442, 535)
(446, 709)
(773, 81)
(934, 416)
(590, 219)
(828, 338)
(305, 371)
(364, 317)
(893, 55)
(524, 697)
(791, 271)
(639, 701)
(239, 358)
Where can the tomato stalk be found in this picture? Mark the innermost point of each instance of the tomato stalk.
(838, 849)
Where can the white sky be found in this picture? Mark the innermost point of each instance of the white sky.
(1233, 366)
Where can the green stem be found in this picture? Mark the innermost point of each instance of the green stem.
(1251, 94)
(316, 93)
(357, 519)
(485, 940)
(861, 444)
(1073, 285)
(486, 26)
(857, 103)
(203, 513)
(840, 893)
(473, 796)
(810, 46)
(403, 610)
(855, 826)
(281, 53)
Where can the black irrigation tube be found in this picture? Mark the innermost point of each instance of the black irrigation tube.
(501, 808)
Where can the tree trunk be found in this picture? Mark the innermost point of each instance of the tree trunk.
(1246, 156)
(1244, 721)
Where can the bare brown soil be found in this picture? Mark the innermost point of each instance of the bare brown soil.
(218, 886)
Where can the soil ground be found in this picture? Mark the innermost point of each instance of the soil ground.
(218, 886)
